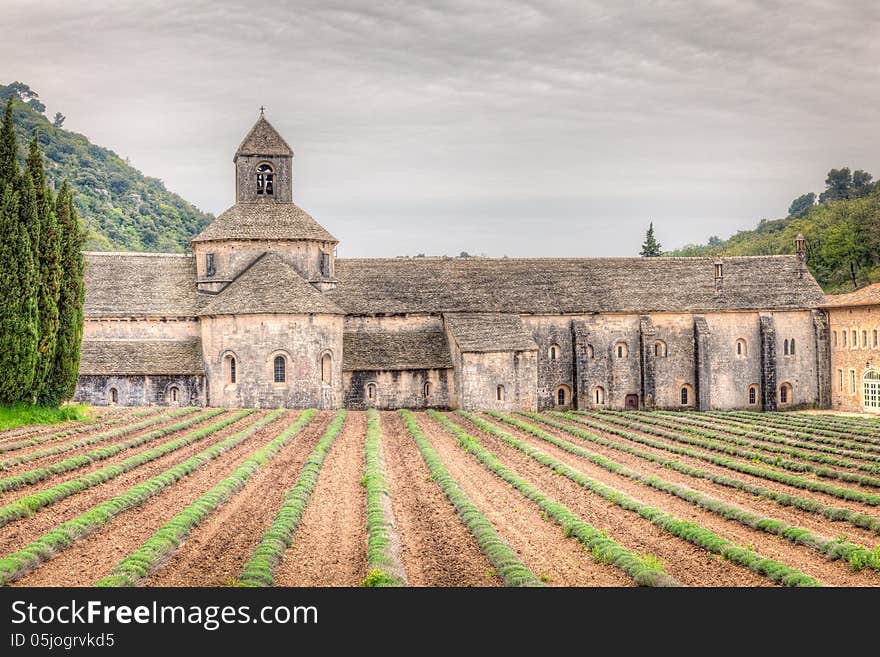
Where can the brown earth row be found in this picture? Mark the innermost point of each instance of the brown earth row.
(217, 551)
(805, 559)
(711, 467)
(330, 546)
(19, 533)
(436, 548)
(92, 558)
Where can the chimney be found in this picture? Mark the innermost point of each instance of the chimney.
(719, 275)
(800, 247)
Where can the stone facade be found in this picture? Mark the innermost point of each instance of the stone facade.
(854, 345)
(263, 314)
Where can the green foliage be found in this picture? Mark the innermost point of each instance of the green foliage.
(651, 247)
(385, 567)
(603, 548)
(26, 506)
(165, 541)
(122, 209)
(22, 415)
(19, 563)
(842, 232)
(61, 383)
(260, 570)
(798, 535)
(507, 564)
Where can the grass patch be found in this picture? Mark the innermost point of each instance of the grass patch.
(22, 415)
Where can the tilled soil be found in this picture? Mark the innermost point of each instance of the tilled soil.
(330, 546)
(688, 563)
(216, 552)
(53, 480)
(539, 542)
(92, 558)
(436, 548)
(45, 461)
(96, 423)
(803, 558)
(21, 532)
(752, 479)
(792, 515)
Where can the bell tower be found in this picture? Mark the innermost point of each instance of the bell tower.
(263, 166)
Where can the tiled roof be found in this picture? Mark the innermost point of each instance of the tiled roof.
(259, 220)
(118, 357)
(866, 296)
(485, 332)
(270, 285)
(547, 285)
(263, 139)
(395, 350)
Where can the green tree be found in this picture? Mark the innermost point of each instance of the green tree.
(49, 259)
(18, 312)
(801, 204)
(8, 149)
(62, 382)
(838, 185)
(861, 183)
(651, 247)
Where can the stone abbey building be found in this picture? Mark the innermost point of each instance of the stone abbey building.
(263, 314)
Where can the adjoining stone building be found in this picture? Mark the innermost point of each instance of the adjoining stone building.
(264, 314)
(854, 322)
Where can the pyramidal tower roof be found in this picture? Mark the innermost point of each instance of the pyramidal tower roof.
(263, 139)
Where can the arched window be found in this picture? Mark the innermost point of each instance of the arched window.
(753, 394)
(855, 339)
(563, 396)
(791, 347)
(174, 394)
(686, 395)
(785, 349)
(741, 348)
(499, 393)
(620, 350)
(371, 392)
(280, 369)
(840, 380)
(230, 370)
(875, 338)
(427, 389)
(785, 393)
(326, 368)
(553, 352)
(114, 396)
(871, 390)
(844, 333)
(589, 351)
(660, 349)
(265, 179)
(864, 338)
(852, 382)
(835, 338)
(599, 395)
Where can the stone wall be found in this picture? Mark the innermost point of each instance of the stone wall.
(142, 329)
(852, 362)
(254, 341)
(141, 390)
(246, 178)
(399, 389)
(231, 257)
(617, 376)
(548, 331)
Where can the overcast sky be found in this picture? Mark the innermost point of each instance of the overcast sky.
(505, 128)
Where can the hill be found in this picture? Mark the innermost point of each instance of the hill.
(123, 209)
(842, 231)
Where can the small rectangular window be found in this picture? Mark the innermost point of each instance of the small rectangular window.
(852, 381)
(844, 337)
(210, 267)
(835, 338)
(864, 338)
(875, 338)
(855, 339)
(840, 380)
(325, 264)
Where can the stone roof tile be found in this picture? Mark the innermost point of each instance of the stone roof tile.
(260, 220)
(395, 350)
(487, 332)
(866, 296)
(119, 357)
(269, 285)
(263, 139)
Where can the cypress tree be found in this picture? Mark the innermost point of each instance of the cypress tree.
(70, 301)
(49, 286)
(18, 319)
(8, 150)
(651, 247)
